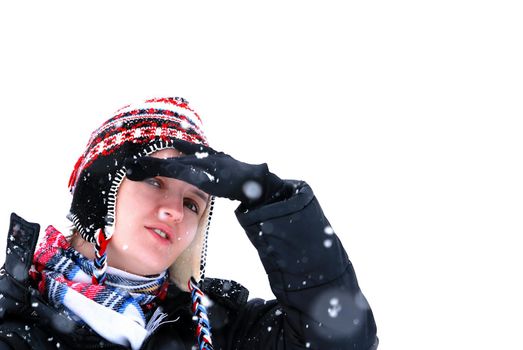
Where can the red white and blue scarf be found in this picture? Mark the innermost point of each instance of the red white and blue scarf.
(117, 310)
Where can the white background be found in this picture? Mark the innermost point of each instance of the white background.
(404, 116)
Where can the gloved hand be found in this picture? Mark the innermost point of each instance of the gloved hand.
(215, 173)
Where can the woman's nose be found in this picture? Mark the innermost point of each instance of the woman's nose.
(171, 211)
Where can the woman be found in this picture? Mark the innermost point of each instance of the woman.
(131, 274)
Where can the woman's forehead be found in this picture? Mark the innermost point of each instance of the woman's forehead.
(166, 153)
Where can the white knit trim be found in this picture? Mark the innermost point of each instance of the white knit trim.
(76, 222)
(203, 254)
(111, 201)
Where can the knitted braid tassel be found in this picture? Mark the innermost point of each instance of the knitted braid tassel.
(203, 329)
(100, 258)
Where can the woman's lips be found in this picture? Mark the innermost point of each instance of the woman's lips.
(161, 232)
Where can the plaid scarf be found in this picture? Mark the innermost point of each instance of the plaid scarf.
(64, 277)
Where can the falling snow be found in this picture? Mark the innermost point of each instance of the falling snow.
(206, 301)
(185, 124)
(267, 227)
(252, 190)
(211, 178)
(201, 155)
(334, 308)
(335, 313)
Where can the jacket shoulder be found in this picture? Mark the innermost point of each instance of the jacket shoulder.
(14, 274)
(21, 243)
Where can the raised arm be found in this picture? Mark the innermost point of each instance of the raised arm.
(319, 303)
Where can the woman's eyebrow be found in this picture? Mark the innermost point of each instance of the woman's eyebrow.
(204, 196)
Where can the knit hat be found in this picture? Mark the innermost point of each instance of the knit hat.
(134, 131)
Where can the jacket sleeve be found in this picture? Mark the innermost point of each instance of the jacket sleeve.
(319, 303)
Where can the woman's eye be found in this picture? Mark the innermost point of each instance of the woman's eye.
(153, 182)
(192, 206)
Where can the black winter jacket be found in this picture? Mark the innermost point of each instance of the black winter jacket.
(318, 301)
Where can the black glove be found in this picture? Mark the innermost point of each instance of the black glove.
(217, 174)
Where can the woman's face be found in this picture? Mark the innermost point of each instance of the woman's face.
(156, 220)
